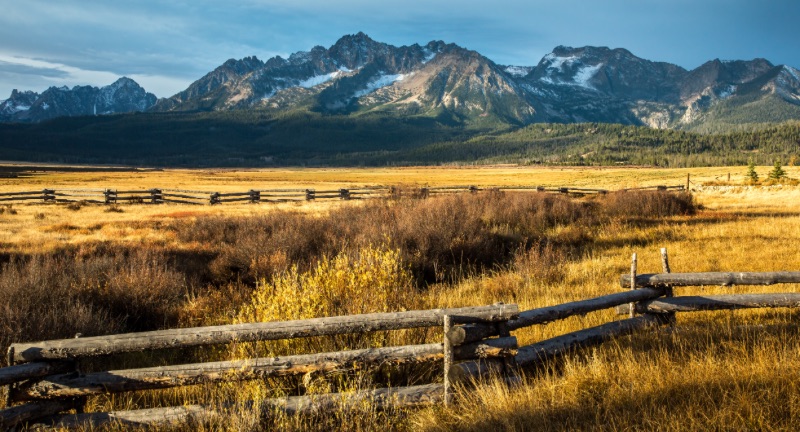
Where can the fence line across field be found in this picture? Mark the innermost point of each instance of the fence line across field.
(43, 382)
(187, 196)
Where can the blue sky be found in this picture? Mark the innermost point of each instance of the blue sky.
(167, 45)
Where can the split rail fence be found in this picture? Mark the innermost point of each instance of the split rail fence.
(43, 381)
(184, 196)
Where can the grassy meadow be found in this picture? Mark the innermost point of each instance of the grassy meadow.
(96, 269)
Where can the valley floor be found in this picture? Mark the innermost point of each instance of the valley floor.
(712, 371)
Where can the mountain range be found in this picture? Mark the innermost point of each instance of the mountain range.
(123, 96)
(360, 76)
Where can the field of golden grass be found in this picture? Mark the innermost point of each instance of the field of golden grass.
(222, 180)
(37, 227)
(713, 371)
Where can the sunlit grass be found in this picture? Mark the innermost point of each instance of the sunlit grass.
(716, 370)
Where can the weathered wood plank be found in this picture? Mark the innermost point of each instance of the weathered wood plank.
(415, 396)
(460, 335)
(20, 372)
(76, 385)
(17, 415)
(198, 336)
(21, 193)
(152, 417)
(448, 361)
(557, 312)
(544, 350)
(143, 191)
(178, 201)
(177, 195)
(499, 347)
(22, 198)
(475, 369)
(716, 302)
(713, 278)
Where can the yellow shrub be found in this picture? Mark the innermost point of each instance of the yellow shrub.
(372, 280)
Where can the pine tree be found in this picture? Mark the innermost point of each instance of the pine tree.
(777, 172)
(752, 175)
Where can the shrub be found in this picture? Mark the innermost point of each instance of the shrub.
(372, 280)
(648, 204)
(441, 238)
(89, 292)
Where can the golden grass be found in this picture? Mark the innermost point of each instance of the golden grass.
(222, 180)
(41, 227)
(714, 371)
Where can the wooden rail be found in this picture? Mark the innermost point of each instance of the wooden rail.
(185, 196)
(476, 341)
(250, 332)
(46, 378)
(714, 278)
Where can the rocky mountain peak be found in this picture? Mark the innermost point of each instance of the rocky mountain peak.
(17, 102)
(244, 65)
(359, 74)
(122, 96)
(354, 51)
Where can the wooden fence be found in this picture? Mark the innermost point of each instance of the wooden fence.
(183, 196)
(43, 382)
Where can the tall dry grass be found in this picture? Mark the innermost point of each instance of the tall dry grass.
(445, 251)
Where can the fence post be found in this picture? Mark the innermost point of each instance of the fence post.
(344, 194)
(670, 316)
(311, 194)
(156, 196)
(110, 196)
(255, 196)
(473, 189)
(423, 192)
(48, 195)
(687, 182)
(448, 361)
(632, 312)
(214, 198)
(9, 388)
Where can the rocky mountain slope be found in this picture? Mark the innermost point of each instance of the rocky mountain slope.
(359, 76)
(589, 84)
(123, 96)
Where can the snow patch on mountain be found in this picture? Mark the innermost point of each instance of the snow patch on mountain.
(518, 71)
(318, 79)
(380, 82)
(727, 92)
(793, 72)
(45, 106)
(429, 55)
(585, 74)
(557, 62)
(539, 91)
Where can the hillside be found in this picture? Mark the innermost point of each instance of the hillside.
(361, 101)
(358, 75)
(258, 138)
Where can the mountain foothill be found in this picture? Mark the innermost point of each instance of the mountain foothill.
(439, 86)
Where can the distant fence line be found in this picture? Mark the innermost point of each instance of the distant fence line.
(44, 382)
(183, 196)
